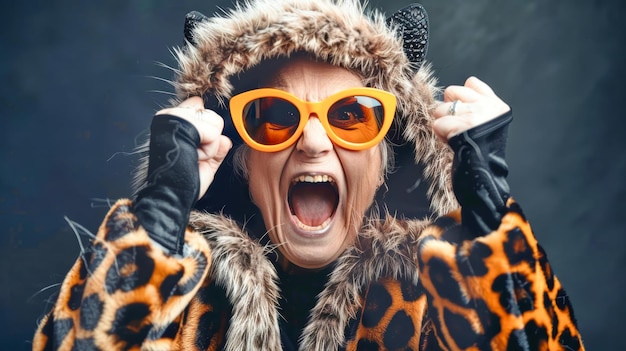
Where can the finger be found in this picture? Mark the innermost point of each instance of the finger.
(479, 86)
(453, 108)
(215, 153)
(206, 177)
(448, 126)
(185, 109)
(209, 125)
(209, 117)
(225, 145)
(462, 93)
(208, 167)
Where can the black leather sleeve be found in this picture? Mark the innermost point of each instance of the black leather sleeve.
(173, 183)
(479, 173)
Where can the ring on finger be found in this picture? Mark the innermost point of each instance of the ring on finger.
(452, 109)
(199, 113)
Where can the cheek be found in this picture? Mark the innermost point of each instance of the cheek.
(363, 166)
(258, 184)
(264, 171)
(363, 173)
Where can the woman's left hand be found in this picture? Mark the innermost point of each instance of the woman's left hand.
(475, 104)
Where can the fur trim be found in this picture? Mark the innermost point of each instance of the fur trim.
(385, 249)
(241, 268)
(336, 31)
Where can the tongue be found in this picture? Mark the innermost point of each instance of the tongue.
(313, 203)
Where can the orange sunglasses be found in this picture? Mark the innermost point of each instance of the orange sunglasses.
(271, 120)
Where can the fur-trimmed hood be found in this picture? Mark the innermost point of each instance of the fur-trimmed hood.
(341, 32)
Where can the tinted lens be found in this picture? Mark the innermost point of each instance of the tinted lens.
(356, 119)
(270, 120)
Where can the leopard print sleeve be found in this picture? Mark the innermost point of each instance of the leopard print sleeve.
(124, 292)
(495, 292)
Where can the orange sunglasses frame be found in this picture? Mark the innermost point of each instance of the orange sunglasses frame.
(306, 108)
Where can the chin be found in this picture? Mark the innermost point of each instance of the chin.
(317, 250)
(309, 260)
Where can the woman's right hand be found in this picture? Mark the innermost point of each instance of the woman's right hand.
(213, 146)
(186, 149)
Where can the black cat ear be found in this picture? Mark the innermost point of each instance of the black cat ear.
(411, 24)
(191, 21)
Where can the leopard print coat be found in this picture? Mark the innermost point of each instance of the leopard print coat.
(406, 284)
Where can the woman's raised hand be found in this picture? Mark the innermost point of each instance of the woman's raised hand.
(213, 146)
(465, 107)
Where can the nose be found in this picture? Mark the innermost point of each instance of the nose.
(314, 141)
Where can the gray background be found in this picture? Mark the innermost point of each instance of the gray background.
(76, 93)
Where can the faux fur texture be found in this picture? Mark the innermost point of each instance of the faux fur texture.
(336, 31)
(240, 265)
(241, 268)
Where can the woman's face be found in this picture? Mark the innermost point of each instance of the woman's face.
(313, 195)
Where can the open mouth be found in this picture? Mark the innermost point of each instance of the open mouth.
(313, 200)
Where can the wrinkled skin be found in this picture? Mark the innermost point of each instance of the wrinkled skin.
(357, 173)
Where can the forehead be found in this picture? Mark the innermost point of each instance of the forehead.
(310, 80)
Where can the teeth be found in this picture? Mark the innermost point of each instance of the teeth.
(313, 179)
(310, 228)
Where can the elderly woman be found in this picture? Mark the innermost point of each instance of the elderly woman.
(312, 89)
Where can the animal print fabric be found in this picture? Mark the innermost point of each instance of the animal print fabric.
(493, 292)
